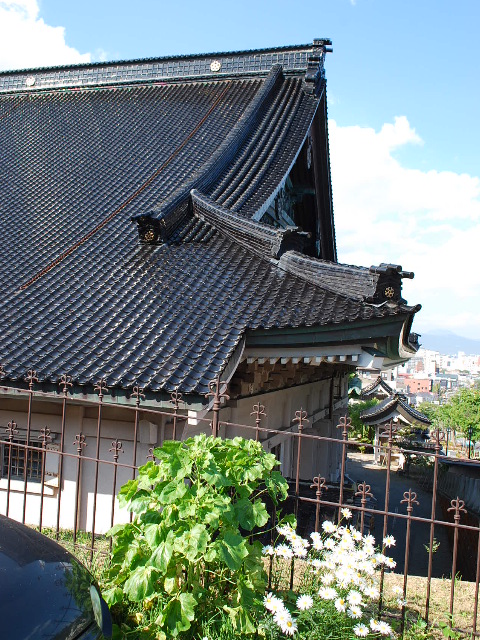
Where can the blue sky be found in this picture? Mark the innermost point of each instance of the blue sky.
(404, 90)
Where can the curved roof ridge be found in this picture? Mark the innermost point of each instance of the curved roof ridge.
(316, 270)
(268, 242)
(225, 153)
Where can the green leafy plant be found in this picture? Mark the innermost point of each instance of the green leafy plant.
(448, 632)
(435, 546)
(418, 630)
(188, 558)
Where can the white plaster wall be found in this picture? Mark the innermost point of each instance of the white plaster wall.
(317, 457)
(149, 435)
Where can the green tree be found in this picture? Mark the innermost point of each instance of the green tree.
(363, 432)
(462, 412)
(432, 411)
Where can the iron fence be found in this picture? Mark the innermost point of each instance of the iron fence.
(32, 493)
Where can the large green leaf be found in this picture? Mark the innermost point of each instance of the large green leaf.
(241, 620)
(173, 491)
(113, 596)
(277, 486)
(140, 501)
(160, 558)
(149, 474)
(193, 543)
(153, 535)
(127, 492)
(178, 613)
(250, 514)
(232, 549)
(141, 583)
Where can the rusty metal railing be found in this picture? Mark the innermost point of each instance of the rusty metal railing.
(90, 469)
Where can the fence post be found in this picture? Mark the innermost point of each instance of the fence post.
(65, 382)
(390, 430)
(365, 492)
(81, 444)
(319, 484)
(116, 449)
(45, 437)
(30, 378)
(217, 395)
(457, 506)
(409, 497)
(11, 430)
(258, 412)
(438, 438)
(101, 386)
(344, 424)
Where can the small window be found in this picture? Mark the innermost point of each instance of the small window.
(34, 457)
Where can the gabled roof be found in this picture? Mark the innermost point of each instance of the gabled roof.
(377, 387)
(131, 206)
(394, 407)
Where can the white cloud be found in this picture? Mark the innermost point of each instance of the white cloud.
(26, 41)
(427, 221)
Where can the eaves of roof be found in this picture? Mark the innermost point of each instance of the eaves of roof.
(388, 408)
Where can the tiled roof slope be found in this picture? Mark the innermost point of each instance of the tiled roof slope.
(80, 294)
(385, 410)
(377, 386)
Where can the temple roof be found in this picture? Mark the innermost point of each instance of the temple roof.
(394, 407)
(131, 231)
(377, 387)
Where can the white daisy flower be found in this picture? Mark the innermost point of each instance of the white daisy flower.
(371, 592)
(272, 603)
(315, 536)
(284, 551)
(354, 612)
(355, 598)
(327, 579)
(282, 616)
(401, 603)
(328, 526)
(329, 544)
(361, 630)
(299, 551)
(289, 627)
(384, 628)
(341, 605)
(318, 544)
(327, 593)
(346, 513)
(390, 563)
(268, 550)
(389, 541)
(285, 530)
(398, 591)
(304, 602)
(374, 624)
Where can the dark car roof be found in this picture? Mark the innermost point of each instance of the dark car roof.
(44, 591)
